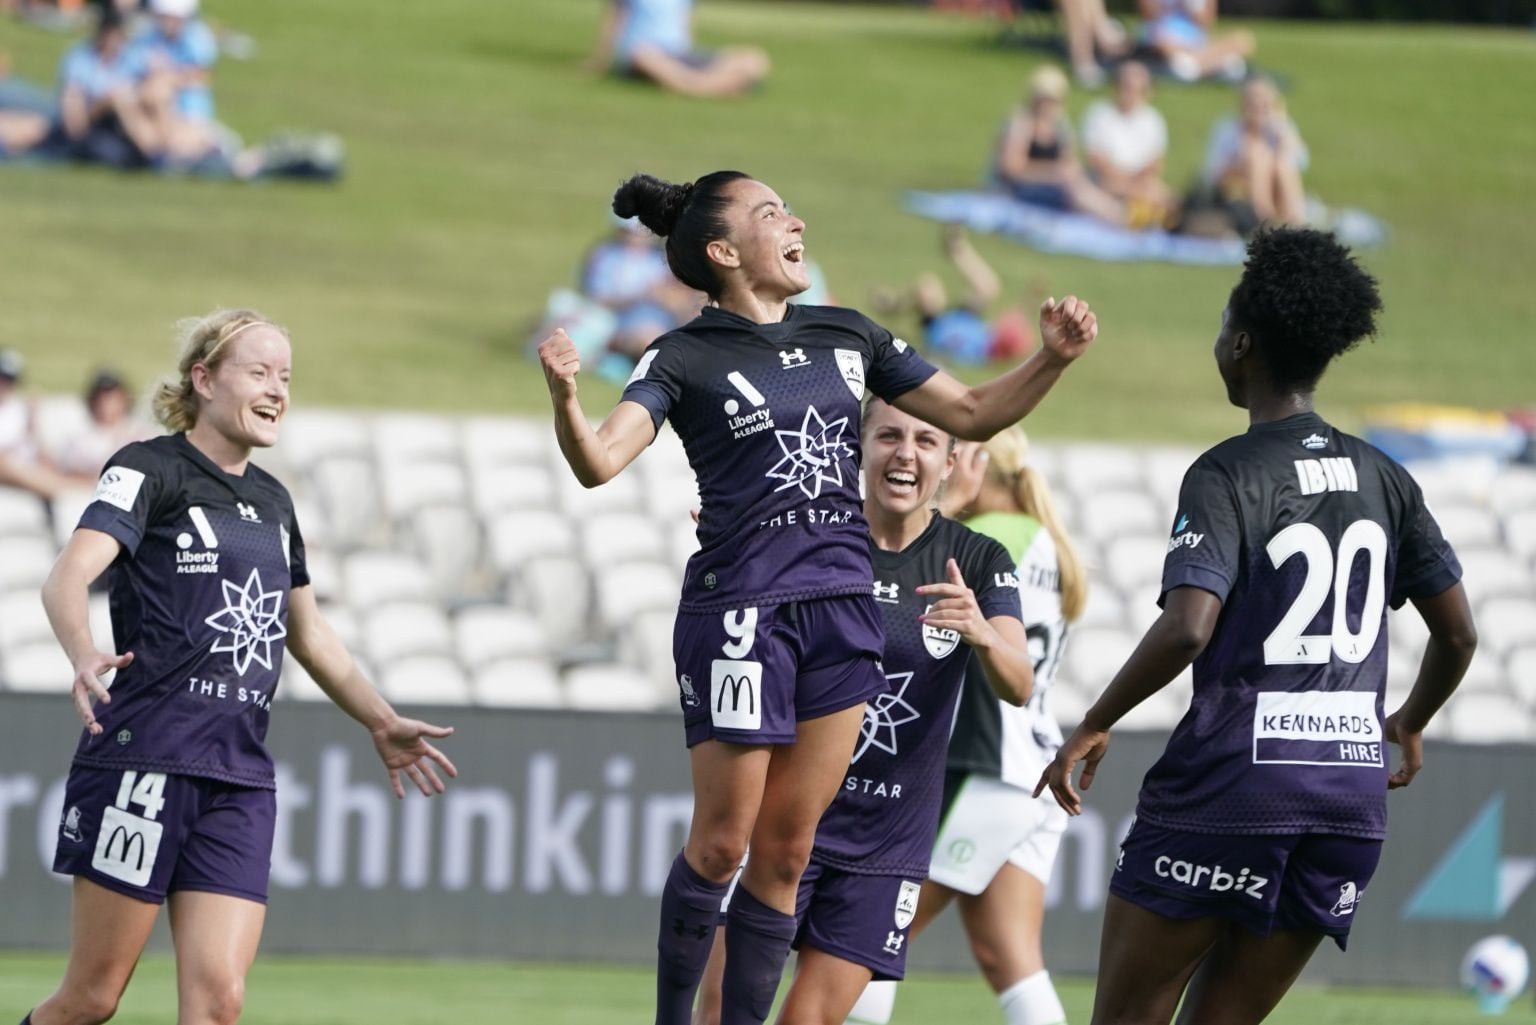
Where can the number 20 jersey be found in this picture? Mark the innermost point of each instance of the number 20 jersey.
(1306, 534)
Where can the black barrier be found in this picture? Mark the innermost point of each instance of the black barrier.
(556, 838)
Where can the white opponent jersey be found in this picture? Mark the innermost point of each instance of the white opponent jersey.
(991, 737)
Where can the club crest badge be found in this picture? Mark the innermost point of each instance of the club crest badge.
(851, 365)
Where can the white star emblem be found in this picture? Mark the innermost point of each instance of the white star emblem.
(249, 618)
(883, 715)
(811, 454)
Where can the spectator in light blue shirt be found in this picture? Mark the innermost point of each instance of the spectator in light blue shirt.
(653, 39)
(103, 116)
(179, 46)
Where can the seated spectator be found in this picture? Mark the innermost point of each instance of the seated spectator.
(1124, 143)
(1035, 159)
(102, 115)
(176, 52)
(1091, 34)
(1179, 31)
(654, 39)
(1256, 159)
(628, 274)
(21, 461)
(112, 425)
(960, 331)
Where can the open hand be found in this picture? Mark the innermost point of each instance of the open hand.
(964, 483)
(1085, 745)
(1067, 327)
(1412, 745)
(403, 748)
(88, 685)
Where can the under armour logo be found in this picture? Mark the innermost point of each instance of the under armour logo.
(887, 592)
(248, 512)
(893, 942)
(682, 928)
(793, 358)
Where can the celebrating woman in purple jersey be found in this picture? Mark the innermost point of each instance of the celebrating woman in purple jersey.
(778, 637)
(171, 790)
(1257, 832)
(944, 592)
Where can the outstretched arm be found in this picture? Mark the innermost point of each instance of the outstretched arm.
(402, 743)
(975, 414)
(595, 456)
(66, 599)
(1173, 642)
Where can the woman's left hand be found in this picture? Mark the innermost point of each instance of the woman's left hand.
(403, 748)
(956, 608)
(964, 483)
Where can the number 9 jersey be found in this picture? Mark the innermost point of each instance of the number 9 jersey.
(1306, 534)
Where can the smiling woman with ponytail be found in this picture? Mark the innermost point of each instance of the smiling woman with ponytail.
(778, 638)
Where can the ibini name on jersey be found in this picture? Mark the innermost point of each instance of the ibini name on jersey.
(1316, 476)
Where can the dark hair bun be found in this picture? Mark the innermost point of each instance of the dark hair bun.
(658, 204)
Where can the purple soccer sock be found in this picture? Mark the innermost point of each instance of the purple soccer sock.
(757, 940)
(690, 910)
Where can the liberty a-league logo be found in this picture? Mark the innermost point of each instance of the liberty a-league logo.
(850, 365)
(127, 844)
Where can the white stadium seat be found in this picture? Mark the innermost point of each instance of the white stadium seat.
(1141, 608)
(557, 590)
(68, 506)
(373, 577)
(1520, 533)
(671, 497)
(625, 591)
(406, 487)
(1406, 629)
(1094, 655)
(1483, 718)
(512, 538)
(1067, 703)
(414, 437)
(314, 525)
(622, 494)
(1455, 480)
(425, 680)
(1135, 560)
(1506, 623)
(324, 573)
(1513, 490)
(392, 632)
(296, 683)
(312, 435)
(1104, 607)
(505, 487)
(56, 419)
(646, 644)
(489, 441)
(610, 688)
(344, 621)
(1110, 514)
(518, 683)
(21, 512)
(22, 618)
(608, 539)
(349, 493)
(682, 542)
(1165, 469)
(1491, 573)
(1520, 670)
(484, 633)
(1093, 468)
(25, 562)
(447, 537)
(1467, 526)
(665, 457)
(37, 668)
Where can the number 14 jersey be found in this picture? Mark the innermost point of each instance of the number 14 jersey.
(1306, 534)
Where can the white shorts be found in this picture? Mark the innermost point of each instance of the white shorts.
(990, 823)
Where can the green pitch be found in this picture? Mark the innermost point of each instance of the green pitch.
(329, 991)
(482, 156)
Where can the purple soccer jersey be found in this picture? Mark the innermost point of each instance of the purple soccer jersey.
(883, 819)
(199, 594)
(769, 416)
(1306, 534)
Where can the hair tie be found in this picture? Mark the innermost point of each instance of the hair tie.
(687, 193)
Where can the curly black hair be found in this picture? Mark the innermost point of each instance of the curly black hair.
(688, 216)
(1304, 300)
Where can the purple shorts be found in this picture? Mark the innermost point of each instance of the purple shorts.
(747, 676)
(1311, 882)
(148, 834)
(861, 919)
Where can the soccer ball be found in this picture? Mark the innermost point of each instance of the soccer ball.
(1495, 970)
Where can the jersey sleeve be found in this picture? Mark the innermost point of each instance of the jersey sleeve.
(990, 574)
(298, 563)
(895, 368)
(1426, 564)
(1205, 550)
(126, 496)
(657, 381)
